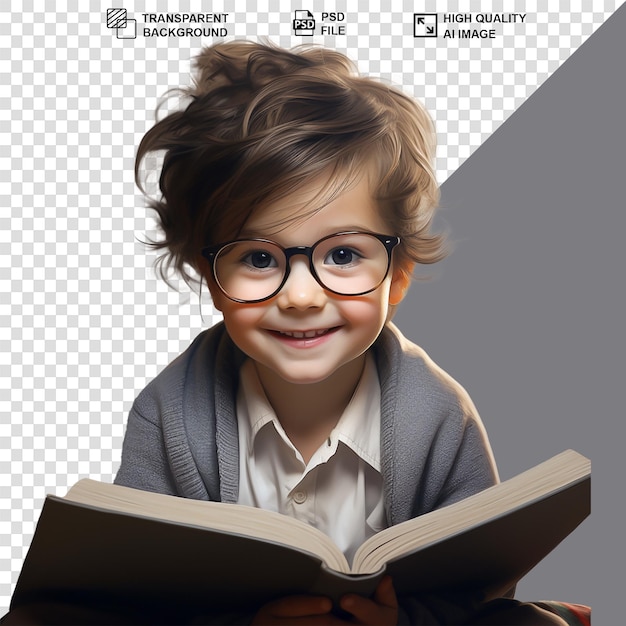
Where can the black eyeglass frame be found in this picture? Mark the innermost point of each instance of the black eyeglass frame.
(211, 252)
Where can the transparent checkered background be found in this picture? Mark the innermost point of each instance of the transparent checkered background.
(84, 322)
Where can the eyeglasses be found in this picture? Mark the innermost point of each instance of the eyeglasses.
(347, 264)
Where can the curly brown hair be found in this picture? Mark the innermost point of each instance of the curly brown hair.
(264, 120)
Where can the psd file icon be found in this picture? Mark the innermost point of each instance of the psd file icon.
(303, 23)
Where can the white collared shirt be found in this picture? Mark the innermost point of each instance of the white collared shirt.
(340, 490)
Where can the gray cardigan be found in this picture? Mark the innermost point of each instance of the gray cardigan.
(182, 439)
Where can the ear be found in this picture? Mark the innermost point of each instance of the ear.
(400, 281)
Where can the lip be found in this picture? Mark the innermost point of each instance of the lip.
(304, 338)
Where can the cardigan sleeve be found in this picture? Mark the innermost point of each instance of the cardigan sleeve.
(144, 460)
(471, 468)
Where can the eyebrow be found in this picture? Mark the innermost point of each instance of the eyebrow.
(252, 234)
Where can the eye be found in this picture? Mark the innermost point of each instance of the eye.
(260, 259)
(342, 256)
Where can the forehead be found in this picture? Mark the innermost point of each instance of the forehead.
(318, 208)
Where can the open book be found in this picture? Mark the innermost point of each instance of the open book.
(113, 543)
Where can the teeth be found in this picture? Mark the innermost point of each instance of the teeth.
(309, 334)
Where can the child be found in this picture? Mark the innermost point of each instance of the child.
(305, 401)
(302, 194)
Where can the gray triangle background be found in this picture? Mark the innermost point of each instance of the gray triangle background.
(528, 312)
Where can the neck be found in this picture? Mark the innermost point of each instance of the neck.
(309, 412)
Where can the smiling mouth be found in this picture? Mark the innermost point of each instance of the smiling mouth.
(306, 334)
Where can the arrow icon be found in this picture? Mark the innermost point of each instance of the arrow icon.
(424, 24)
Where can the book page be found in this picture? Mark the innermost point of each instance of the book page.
(231, 518)
(548, 477)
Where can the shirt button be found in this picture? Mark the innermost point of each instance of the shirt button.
(299, 497)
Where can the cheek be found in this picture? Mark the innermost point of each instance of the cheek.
(241, 318)
(368, 313)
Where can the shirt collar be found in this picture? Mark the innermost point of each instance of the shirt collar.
(253, 408)
(358, 427)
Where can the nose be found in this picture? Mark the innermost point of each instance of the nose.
(301, 291)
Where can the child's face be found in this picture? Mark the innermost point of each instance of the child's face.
(345, 326)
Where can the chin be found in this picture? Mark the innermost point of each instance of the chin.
(304, 376)
(305, 379)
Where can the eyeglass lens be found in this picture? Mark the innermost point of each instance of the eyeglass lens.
(348, 264)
